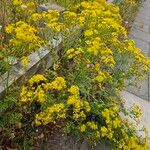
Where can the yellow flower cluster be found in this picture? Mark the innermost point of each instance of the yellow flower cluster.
(36, 17)
(104, 131)
(24, 36)
(79, 111)
(108, 130)
(51, 18)
(100, 132)
(80, 108)
(94, 46)
(102, 76)
(82, 127)
(58, 84)
(37, 79)
(107, 57)
(103, 29)
(70, 17)
(17, 2)
(88, 33)
(23, 31)
(131, 2)
(24, 61)
(59, 111)
(136, 110)
(71, 53)
(111, 119)
(51, 114)
(74, 90)
(141, 59)
(26, 95)
(38, 87)
(92, 125)
(40, 94)
(97, 66)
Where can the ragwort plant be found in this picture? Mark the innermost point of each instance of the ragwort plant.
(80, 94)
(21, 33)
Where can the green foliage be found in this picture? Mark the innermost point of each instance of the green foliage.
(80, 94)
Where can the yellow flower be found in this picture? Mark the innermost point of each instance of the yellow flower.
(26, 95)
(51, 114)
(56, 27)
(82, 128)
(93, 50)
(74, 90)
(78, 51)
(9, 28)
(37, 79)
(92, 125)
(30, 4)
(69, 17)
(36, 17)
(88, 32)
(101, 77)
(136, 110)
(97, 66)
(87, 106)
(47, 86)
(107, 57)
(77, 114)
(73, 52)
(24, 61)
(116, 123)
(69, 51)
(104, 131)
(72, 100)
(106, 114)
(17, 2)
(40, 94)
(81, 21)
(85, 4)
(23, 94)
(25, 32)
(59, 83)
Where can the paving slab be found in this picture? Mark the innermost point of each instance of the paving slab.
(144, 46)
(141, 88)
(143, 15)
(140, 26)
(143, 20)
(144, 10)
(140, 33)
(131, 99)
(145, 4)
